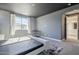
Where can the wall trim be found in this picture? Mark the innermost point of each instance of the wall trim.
(53, 39)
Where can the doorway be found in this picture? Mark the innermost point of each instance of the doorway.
(72, 27)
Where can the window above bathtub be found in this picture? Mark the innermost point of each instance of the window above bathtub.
(21, 22)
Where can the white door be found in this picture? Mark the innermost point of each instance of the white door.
(72, 27)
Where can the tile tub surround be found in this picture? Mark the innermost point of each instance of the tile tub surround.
(14, 40)
(35, 52)
(21, 48)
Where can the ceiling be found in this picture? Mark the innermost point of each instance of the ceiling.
(33, 9)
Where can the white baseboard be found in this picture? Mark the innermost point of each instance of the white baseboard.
(51, 39)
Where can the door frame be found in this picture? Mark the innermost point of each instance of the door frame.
(63, 26)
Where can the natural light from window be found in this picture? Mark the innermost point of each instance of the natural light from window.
(21, 23)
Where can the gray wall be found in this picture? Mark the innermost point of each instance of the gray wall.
(50, 24)
(32, 23)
